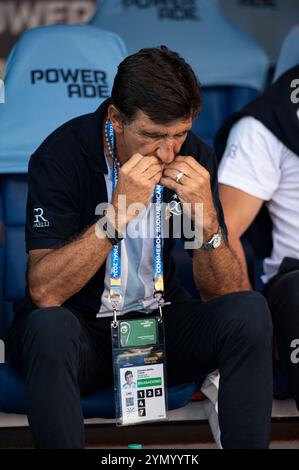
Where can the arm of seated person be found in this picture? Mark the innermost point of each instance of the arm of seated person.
(54, 275)
(240, 210)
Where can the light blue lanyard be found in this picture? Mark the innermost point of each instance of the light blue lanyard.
(158, 243)
(115, 255)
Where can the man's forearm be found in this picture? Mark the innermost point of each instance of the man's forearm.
(236, 246)
(64, 271)
(217, 272)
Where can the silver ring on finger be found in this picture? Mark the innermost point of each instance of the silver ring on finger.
(179, 176)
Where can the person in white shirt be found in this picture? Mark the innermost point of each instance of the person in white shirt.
(258, 167)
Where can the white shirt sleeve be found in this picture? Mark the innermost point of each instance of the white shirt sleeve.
(252, 159)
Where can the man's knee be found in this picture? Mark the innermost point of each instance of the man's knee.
(51, 330)
(249, 316)
(285, 294)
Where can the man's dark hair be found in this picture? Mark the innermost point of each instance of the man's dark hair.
(158, 82)
(128, 373)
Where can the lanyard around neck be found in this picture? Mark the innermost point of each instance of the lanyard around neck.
(115, 255)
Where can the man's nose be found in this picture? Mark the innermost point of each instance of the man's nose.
(166, 151)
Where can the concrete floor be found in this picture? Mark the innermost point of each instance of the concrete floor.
(187, 428)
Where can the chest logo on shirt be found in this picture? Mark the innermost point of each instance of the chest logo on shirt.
(39, 220)
(174, 207)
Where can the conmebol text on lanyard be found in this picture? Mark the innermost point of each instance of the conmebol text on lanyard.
(115, 255)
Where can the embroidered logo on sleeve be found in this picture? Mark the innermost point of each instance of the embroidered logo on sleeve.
(39, 220)
(232, 151)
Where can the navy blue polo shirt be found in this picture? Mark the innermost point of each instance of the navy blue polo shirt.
(65, 184)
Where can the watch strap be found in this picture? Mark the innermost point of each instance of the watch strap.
(109, 230)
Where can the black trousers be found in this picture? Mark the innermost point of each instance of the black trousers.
(283, 298)
(60, 361)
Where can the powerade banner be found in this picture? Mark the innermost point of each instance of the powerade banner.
(219, 53)
(16, 16)
(176, 10)
(54, 73)
(268, 21)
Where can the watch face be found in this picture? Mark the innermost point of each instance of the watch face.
(217, 241)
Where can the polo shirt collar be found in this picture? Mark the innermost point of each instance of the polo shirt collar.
(90, 136)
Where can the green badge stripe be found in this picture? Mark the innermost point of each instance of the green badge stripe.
(149, 382)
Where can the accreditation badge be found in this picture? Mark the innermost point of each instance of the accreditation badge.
(138, 350)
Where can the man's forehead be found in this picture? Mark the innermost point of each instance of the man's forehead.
(143, 122)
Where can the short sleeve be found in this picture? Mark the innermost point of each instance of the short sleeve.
(52, 213)
(252, 159)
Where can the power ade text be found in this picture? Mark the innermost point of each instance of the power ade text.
(178, 10)
(81, 83)
(16, 16)
(259, 3)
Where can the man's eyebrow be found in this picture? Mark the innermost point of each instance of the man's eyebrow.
(163, 134)
(154, 133)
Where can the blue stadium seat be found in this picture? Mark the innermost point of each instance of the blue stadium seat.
(219, 52)
(43, 65)
(54, 73)
(289, 54)
(267, 21)
(219, 102)
(230, 65)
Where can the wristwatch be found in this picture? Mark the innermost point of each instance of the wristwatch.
(215, 241)
(109, 230)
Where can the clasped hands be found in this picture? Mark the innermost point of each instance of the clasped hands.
(184, 175)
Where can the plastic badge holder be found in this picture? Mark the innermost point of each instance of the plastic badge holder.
(139, 367)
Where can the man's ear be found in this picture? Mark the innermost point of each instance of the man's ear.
(116, 119)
